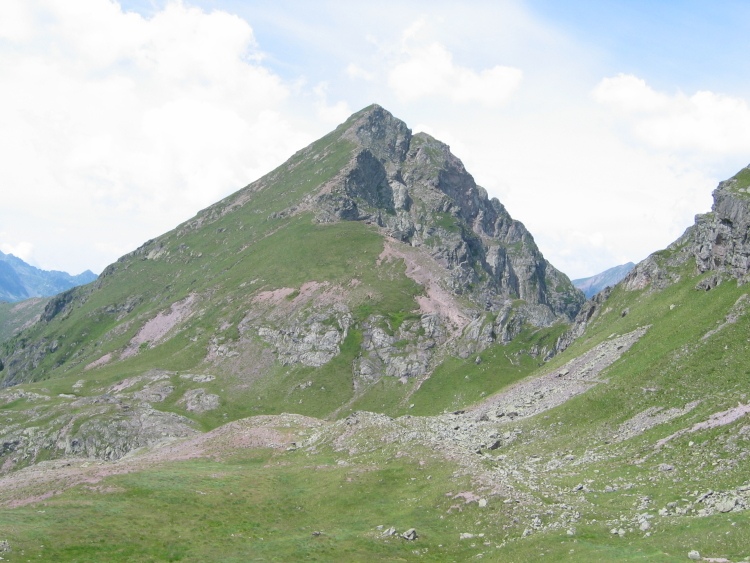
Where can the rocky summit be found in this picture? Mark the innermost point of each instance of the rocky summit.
(361, 356)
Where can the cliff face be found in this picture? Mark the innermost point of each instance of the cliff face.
(722, 237)
(416, 189)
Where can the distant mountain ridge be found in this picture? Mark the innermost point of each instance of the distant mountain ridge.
(19, 280)
(608, 278)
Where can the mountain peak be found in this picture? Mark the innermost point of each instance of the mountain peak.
(376, 129)
(419, 193)
(371, 249)
(369, 276)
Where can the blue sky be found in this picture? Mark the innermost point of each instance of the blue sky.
(603, 126)
(672, 44)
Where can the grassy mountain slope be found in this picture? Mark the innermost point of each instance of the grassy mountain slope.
(632, 444)
(556, 486)
(344, 280)
(16, 316)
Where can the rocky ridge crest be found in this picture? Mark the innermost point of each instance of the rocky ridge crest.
(719, 242)
(414, 188)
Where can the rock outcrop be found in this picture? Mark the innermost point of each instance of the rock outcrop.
(722, 237)
(487, 279)
(719, 242)
(104, 426)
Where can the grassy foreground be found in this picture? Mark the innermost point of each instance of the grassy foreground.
(634, 448)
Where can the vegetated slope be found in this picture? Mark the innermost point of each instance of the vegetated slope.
(630, 445)
(608, 278)
(19, 280)
(15, 317)
(367, 272)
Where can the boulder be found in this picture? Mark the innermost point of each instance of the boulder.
(410, 534)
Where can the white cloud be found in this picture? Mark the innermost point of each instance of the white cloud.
(15, 23)
(426, 69)
(117, 126)
(355, 71)
(332, 114)
(23, 250)
(706, 122)
(590, 199)
(119, 123)
(629, 93)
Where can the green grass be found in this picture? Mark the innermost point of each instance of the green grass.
(672, 543)
(458, 383)
(193, 260)
(265, 506)
(258, 506)
(742, 179)
(13, 316)
(385, 396)
(447, 222)
(671, 366)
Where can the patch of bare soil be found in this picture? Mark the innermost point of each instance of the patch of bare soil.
(423, 270)
(152, 332)
(130, 381)
(715, 420)
(25, 304)
(105, 359)
(648, 419)
(281, 302)
(157, 328)
(273, 296)
(740, 308)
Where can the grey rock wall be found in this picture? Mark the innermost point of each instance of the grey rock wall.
(421, 194)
